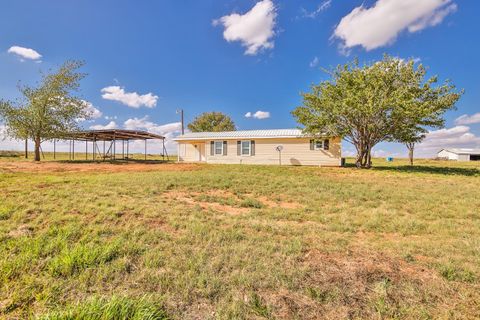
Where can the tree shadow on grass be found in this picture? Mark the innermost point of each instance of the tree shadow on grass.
(449, 171)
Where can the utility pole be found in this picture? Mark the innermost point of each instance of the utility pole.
(181, 117)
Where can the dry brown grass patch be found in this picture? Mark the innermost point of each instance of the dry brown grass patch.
(21, 230)
(47, 167)
(361, 285)
(365, 284)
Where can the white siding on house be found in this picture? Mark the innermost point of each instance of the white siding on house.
(296, 151)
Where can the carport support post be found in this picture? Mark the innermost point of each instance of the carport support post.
(26, 148)
(114, 146)
(123, 149)
(128, 141)
(163, 151)
(103, 150)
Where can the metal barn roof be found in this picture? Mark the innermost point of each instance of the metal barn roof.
(249, 134)
(462, 150)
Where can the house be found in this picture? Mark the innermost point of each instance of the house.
(278, 147)
(459, 154)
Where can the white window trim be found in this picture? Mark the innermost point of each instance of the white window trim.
(215, 148)
(315, 147)
(249, 148)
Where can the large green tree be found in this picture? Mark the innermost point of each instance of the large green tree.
(212, 122)
(375, 102)
(49, 110)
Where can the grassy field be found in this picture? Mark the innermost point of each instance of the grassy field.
(171, 241)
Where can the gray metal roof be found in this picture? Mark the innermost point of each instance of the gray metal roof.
(249, 134)
(463, 150)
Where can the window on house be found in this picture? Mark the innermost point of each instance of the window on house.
(246, 148)
(318, 145)
(218, 147)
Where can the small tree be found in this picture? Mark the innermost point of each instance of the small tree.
(47, 111)
(212, 122)
(372, 103)
(410, 139)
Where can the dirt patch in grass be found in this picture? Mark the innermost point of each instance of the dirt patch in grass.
(20, 166)
(226, 201)
(192, 200)
(279, 204)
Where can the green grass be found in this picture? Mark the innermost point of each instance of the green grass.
(394, 242)
(114, 308)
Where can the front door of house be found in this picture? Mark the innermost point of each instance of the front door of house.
(201, 151)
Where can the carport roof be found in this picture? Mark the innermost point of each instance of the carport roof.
(112, 134)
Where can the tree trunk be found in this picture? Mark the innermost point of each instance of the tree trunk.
(368, 158)
(410, 147)
(364, 156)
(37, 149)
(359, 159)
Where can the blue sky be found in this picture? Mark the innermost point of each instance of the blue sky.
(146, 59)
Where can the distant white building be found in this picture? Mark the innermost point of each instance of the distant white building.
(459, 154)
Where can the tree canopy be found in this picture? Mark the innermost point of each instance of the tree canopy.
(49, 110)
(383, 101)
(212, 122)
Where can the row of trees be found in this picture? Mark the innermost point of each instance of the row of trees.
(389, 100)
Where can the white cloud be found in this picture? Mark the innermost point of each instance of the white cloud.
(169, 130)
(313, 14)
(314, 62)
(466, 119)
(458, 136)
(254, 29)
(93, 112)
(110, 125)
(380, 25)
(145, 124)
(258, 115)
(25, 53)
(131, 99)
